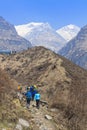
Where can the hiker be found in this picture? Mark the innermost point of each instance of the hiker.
(28, 97)
(19, 88)
(19, 93)
(37, 98)
(31, 88)
(35, 87)
(33, 91)
(27, 88)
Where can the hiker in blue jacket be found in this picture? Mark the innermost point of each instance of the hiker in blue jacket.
(33, 91)
(37, 98)
(28, 98)
(31, 88)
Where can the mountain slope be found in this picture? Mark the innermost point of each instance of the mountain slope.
(68, 32)
(76, 49)
(9, 39)
(11, 111)
(41, 34)
(60, 82)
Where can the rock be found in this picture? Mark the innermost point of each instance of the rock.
(18, 127)
(23, 122)
(48, 117)
(53, 110)
(44, 102)
(43, 128)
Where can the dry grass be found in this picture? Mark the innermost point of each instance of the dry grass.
(61, 83)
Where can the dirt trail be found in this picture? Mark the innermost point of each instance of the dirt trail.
(42, 117)
(39, 118)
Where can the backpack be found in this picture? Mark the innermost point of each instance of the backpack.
(28, 95)
(31, 88)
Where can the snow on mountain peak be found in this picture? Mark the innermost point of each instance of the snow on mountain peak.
(71, 26)
(41, 34)
(68, 32)
(27, 28)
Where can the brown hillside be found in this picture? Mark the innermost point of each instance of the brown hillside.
(61, 83)
(6, 84)
(10, 109)
(7, 88)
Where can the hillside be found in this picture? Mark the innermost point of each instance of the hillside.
(76, 49)
(61, 83)
(13, 116)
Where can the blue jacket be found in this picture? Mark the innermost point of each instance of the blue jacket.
(34, 92)
(37, 96)
(31, 88)
(28, 95)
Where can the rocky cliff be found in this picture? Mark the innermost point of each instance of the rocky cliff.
(9, 39)
(76, 49)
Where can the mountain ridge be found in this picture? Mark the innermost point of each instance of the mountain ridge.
(68, 32)
(76, 49)
(60, 82)
(9, 39)
(41, 34)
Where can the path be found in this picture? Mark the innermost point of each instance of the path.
(39, 117)
(40, 120)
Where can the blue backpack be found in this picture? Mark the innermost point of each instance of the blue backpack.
(28, 95)
(31, 88)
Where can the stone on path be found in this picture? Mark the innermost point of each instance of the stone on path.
(23, 122)
(48, 117)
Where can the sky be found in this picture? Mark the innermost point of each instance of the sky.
(57, 13)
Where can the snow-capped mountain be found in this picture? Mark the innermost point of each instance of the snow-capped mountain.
(27, 28)
(76, 49)
(41, 34)
(68, 32)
